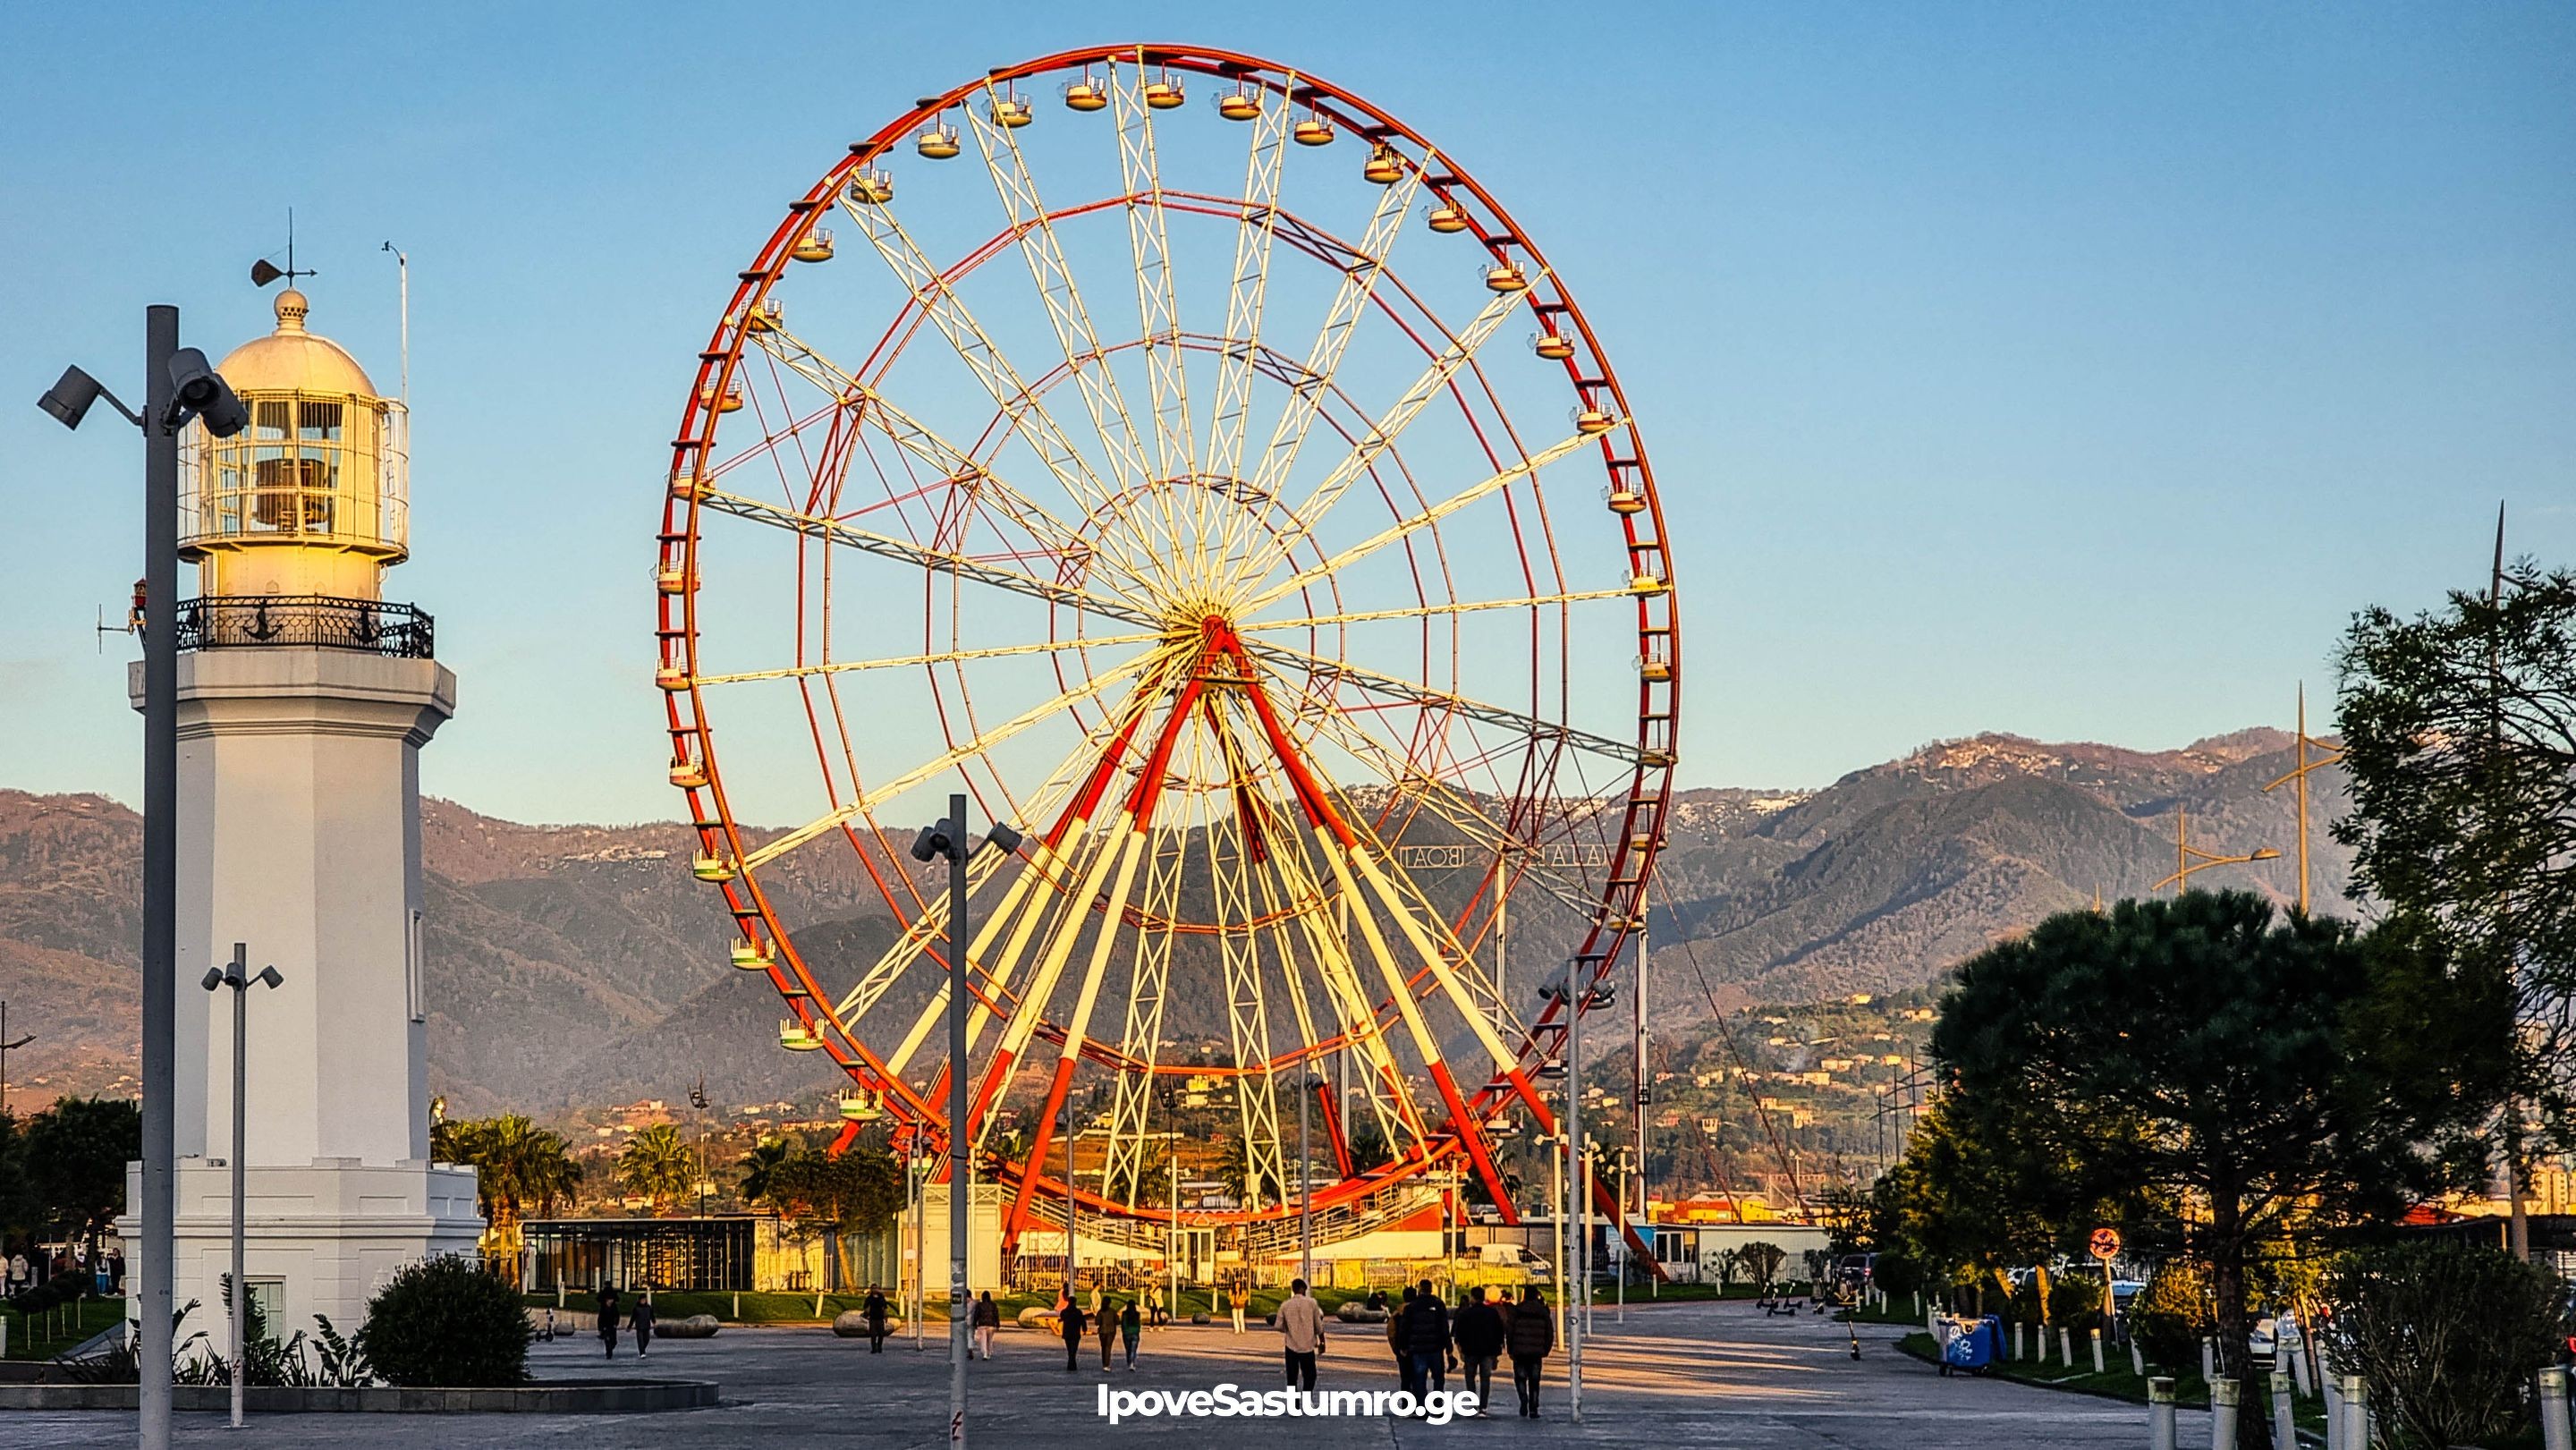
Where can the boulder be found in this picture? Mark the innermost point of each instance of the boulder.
(1355, 1312)
(853, 1323)
(696, 1326)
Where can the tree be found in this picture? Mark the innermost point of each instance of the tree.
(855, 1192)
(756, 1173)
(517, 1165)
(657, 1163)
(1235, 1169)
(2263, 1083)
(76, 1152)
(2460, 740)
(1761, 1260)
(2448, 1335)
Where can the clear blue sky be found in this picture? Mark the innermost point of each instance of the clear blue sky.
(2069, 370)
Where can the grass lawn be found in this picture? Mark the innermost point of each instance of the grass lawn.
(50, 1332)
(2117, 1381)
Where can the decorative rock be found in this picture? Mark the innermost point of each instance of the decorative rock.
(1355, 1312)
(696, 1326)
(853, 1323)
(1201, 1318)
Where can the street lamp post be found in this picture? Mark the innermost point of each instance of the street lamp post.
(949, 839)
(237, 977)
(178, 387)
(1306, 1184)
(2189, 858)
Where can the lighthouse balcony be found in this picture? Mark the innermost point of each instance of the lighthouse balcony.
(305, 621)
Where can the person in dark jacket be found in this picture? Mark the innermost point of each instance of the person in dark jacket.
(1426, 1338)
(608, 1321)
(1395, 1342)
(641, 1321)
(1478, 1334)
(874, 1309)
(1130, 1324)
(1106, 1326)
(988, 1318)
(1530, 1335)
(1070, 1320)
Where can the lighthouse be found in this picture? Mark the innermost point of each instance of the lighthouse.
(305, 697)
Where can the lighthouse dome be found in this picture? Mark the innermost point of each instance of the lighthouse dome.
(293, 360)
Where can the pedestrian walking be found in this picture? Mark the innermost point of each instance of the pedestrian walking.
(1242, 1292)
(1070, 1320)
(1301, 1326)
(1154, 1304)
(1395, 1342)
(873, 1309)
(1105, 1324)
(608, 1321)
(641, 1321)
(1130, 1324)
(988, 1317)
(550, 1324)
(1530, 1336)
(1426, 1338)
(1478, 1333)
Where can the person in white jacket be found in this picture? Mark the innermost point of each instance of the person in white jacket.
(1301, 1325)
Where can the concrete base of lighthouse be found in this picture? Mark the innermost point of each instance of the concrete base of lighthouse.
(319, 1239)
(299, 837)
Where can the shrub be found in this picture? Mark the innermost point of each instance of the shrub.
(2448, 1334)
(1895, 1275)
(446, 1322)
(2075, 1300)
(2172, 1315)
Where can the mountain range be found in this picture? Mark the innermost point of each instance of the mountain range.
(580, 966)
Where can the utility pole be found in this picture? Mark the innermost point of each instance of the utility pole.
(1306, 1085)
(237, 976)
(1577, 1178)
(961, 1161)
(154, 1261)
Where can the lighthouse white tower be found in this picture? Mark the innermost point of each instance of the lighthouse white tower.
(304, 700)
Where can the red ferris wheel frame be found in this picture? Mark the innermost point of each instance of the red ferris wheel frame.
(1622, 454)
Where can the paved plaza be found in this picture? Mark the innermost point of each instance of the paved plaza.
(1681, 1375)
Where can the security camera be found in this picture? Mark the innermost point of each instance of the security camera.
(201, 392)
(931, 843)
(1002, 835)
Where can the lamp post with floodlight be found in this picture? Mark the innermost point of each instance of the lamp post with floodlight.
(178, 387)
(237, 976)
(949, 840)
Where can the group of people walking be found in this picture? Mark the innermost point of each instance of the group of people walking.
(1109, 1319)
(1430, 1343)
(637, 1317)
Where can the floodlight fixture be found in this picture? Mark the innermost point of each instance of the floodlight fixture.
(69, 399)
(198, 391)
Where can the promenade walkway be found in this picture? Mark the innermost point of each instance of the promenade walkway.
(1685, 1375)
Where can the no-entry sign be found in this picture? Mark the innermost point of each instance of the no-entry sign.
(2105, 1244)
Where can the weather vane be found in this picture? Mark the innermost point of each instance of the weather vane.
(263, 271)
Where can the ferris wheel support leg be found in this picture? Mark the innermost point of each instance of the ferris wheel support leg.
(1471, 1133)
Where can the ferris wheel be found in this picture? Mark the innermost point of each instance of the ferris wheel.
(1200, 466)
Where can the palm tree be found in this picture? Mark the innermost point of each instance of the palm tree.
(516, 1165)
(758, 1174)
(657, 1164)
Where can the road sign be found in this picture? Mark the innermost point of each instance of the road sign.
(2105, 1244)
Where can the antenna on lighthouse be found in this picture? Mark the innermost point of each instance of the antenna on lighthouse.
(402, 264)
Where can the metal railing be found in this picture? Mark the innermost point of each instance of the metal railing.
(307, 620)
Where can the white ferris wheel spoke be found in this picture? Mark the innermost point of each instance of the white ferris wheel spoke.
(945, 760)
(1526, 725)
(934, 561)
(1158, 312)
(1057, 289)
(939, 657)
(1324, 359)
(1022, 409)
(1381, 435)
(1429, 611)
(1247, 1015)
(950, 463)
(1526, 468)
(1263, 171)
